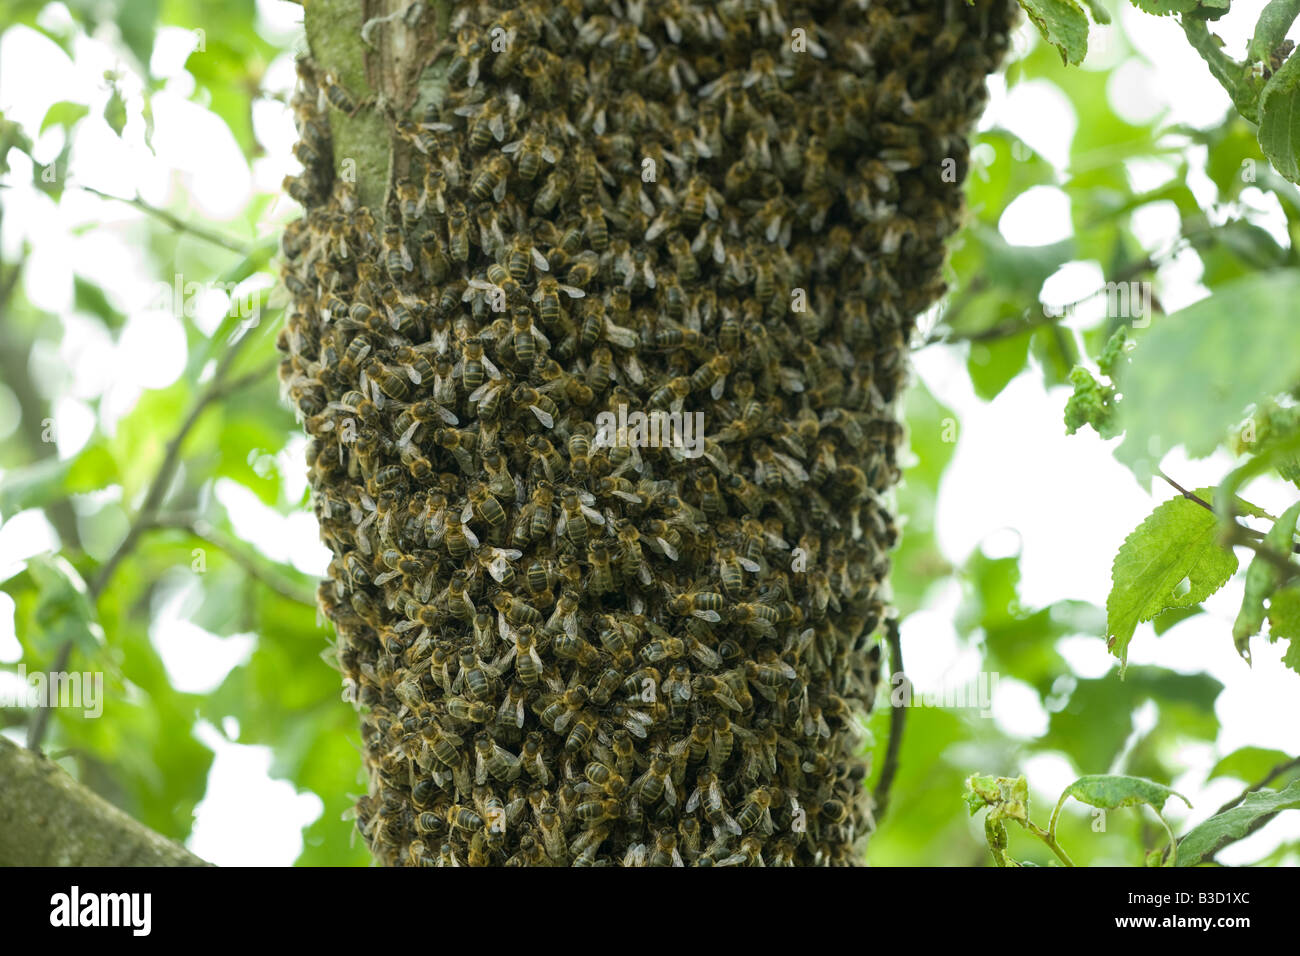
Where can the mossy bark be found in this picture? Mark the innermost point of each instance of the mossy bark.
(49, 819)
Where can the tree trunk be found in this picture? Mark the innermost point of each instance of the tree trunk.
(49, 819)
(540, 245)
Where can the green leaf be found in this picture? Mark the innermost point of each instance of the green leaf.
(1284, 622)
(64, 612)
(1248, 764)
(1007, 796)
(49, 480)
(1177, 542)
(1279, 126)
(1099, 13)
(1163, 8)
(1091, 404)
(115, 112)
(137, 20)
(1112, 791)
(1062, 24)
(89, 297)
(1271, 28)
(1231, 825)
(1174, 616)
(64, 113)
(1284, 614)
(1194, 373)
(1262, 580)
(993, 365)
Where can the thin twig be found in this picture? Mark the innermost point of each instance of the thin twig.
(1241, 536)
(15, 373)
(897, 721)
(175, 222)
(1189, 495)
(217, 388)
(1007, 329)
(209, 535)
(1195, 498)
(1272, 775)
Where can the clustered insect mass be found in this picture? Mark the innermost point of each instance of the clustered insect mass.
(571, 653)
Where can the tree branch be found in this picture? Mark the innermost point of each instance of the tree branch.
(49, 819)
(14, 372)
(210, 535)
(897, 722)
(215, 390)
(173, 221)
(1272, 775)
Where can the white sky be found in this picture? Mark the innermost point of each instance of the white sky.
(1067, 502)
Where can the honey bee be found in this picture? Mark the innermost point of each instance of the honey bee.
(547, 296)
(532, 758)
(533, 150)
(338, 97)
(397, 260)
(546, 457)
(489, 120)
(528, 664)
(410, 200)
(575, 515)
(484, 506)
(474, 365)
(464, 65)
(527, 339)
(489, 180)
(595, 227)
(392, 383)
(458, 239)
(494, 759)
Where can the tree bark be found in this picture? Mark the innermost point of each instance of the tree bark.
(49, 819)
(521, 223)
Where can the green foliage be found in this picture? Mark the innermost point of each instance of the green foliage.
(1194, 373)
(1062, 24)
(1262, 579)
(1112, 791)
(1202, 843)
(1173, 559)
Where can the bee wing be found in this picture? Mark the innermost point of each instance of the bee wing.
(469, 535)
(539, 261)
(543, 417)
(791, 465)
(670, 794)
(492, 370)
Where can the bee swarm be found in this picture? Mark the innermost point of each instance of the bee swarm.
(571, 652)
